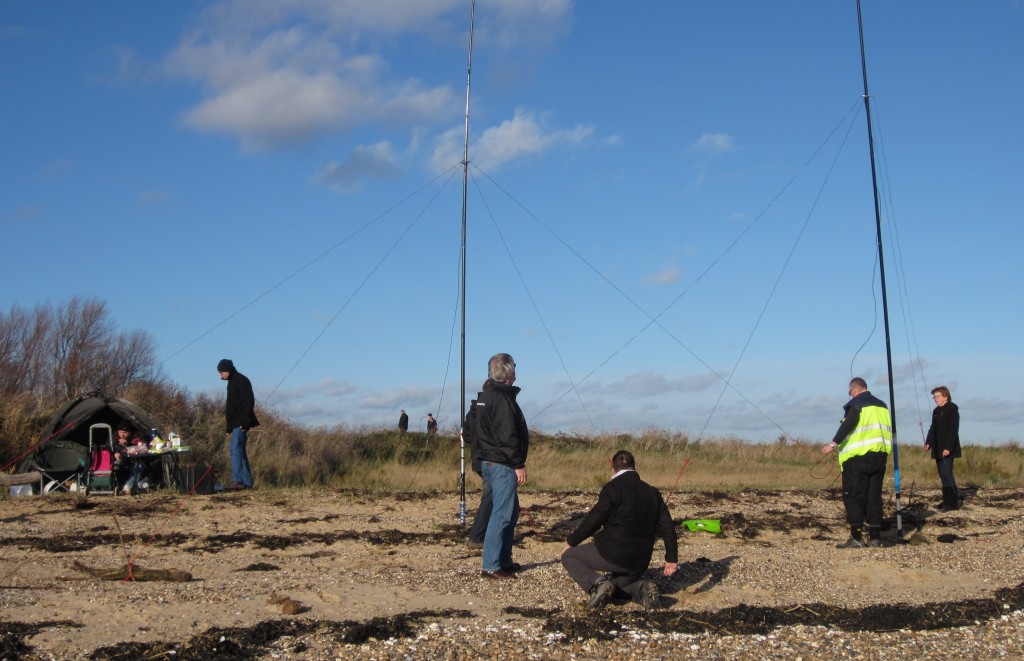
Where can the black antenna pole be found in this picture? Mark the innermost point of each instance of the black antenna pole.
(462, 381)
(881, 271)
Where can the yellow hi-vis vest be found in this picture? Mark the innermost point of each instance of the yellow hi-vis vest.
(873, 433)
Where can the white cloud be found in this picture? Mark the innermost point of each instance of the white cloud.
(291, 398)
(417, 401)
(651, 384)
(666, 276)
(525, 134)
(714, 144)
(276, 74)
(377, 160)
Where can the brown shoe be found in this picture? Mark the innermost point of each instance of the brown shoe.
(501, 573)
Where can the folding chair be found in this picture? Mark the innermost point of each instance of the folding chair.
(60, 466)
(99, 478)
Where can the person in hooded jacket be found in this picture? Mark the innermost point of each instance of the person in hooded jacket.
(944, 442)
(240, 414)
(863, 443)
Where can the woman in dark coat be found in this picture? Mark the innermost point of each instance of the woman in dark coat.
(944, 442)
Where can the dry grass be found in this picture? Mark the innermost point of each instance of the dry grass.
(386, 460)
(284, 454)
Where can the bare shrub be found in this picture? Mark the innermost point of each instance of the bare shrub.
(52, 354)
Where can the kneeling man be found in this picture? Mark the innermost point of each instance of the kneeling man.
(630, 514)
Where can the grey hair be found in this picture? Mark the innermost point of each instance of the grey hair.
(500, 367)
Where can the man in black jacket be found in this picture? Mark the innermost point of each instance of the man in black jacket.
(241, 416)
(629, 515)
(503, 441)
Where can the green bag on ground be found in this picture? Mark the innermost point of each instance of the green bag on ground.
(707, 525)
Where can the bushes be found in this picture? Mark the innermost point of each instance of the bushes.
(283, 453)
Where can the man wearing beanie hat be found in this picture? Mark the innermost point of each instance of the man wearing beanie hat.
(240, 414)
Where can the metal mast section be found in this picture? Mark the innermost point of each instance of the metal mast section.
(881, 272)
(462, 380)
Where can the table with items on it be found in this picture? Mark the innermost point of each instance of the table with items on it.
(169, 452)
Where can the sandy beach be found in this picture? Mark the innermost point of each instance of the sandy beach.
(281, 574)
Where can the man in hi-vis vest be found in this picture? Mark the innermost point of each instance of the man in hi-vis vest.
(863, 442)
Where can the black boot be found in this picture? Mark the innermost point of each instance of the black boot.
(856, 540)
(599, 593)
(874, 536)
(950, 499)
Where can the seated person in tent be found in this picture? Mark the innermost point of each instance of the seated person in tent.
(129, 464)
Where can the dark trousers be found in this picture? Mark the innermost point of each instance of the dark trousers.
(583, 563)
(945, 466)
(862, 488)
(483, 515)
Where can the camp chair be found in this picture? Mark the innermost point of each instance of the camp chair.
(99, 478)
(60, 466)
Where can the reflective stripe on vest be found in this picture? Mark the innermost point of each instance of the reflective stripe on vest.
(872, 434)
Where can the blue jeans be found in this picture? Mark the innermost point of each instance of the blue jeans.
(501, 527)
(240, 472)
(137, 468)
(945, 466)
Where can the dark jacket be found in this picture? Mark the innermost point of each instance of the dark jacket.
(240, 408)
(629, 515)
(502, 435)
(944, 434)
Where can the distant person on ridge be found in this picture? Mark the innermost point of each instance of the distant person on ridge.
(431, 424)
(403, 421)
(863, 441)
(944, 441)
(240, 413)
(504, 442)
(629, 515)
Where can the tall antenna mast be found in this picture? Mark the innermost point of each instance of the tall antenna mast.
(881, 272)
(465, 181)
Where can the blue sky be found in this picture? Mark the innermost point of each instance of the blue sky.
(661, 199)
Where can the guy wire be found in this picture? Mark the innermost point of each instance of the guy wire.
(359, 288)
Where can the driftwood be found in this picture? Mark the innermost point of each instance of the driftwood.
(134, 573)
(8, 480)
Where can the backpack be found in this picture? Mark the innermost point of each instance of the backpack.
(471, 436)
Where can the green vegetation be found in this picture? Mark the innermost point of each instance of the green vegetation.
(284, 454)
(36, 380)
